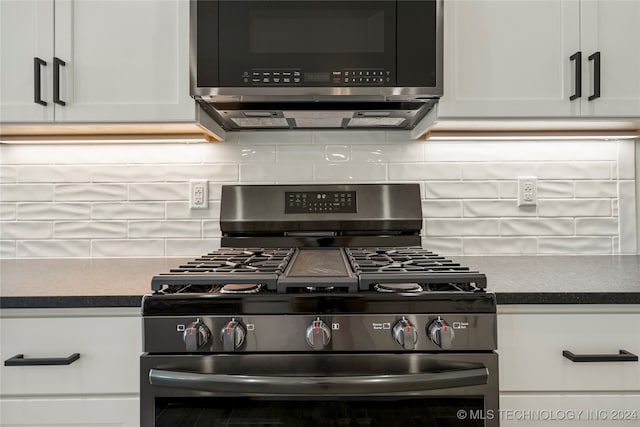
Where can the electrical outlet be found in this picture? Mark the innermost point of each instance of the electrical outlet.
(198, 194)
(527, 191)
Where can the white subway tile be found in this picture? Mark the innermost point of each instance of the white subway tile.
(191, 247)
(90, 192)
(127, 211)
(26, 193)
(22, 230)
(277, 172)
(443, 245)
(150, 229)
(221, 153)
(401, 137)
(211, 172)
(536, 226)
(7, 248)
(499, 245)
(555, 189)
(462, 190)
(628, 209)
(54, 173)
(462, 227)
(128, 173)
(496, 208)
(300, 153)
(574, 170)
(575, 245)
(614, 207)
(337, 153)
(616, 246)
(424, 171)
(211, 229)
(519, 151)
(90, 230)
(509, 189)
(7, 211)
(349, 137)
(8, 174)
(180, 210)
(255, 154)
(596, 189)
(215, 191)
(53, 249)
(397, 152)
(441, 208)
(159, 192)
(102, 154)
(550, 170)
(53, 211)
(597, 226)
(275, 137)
(626, 160)
(578, 207)
(351, 172)
(127, 248)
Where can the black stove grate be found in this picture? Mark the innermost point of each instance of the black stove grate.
(431, 271)
(225, 266)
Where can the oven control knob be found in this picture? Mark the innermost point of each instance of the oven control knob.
(232, 335)
(440, 333)
(318, 334)
(405, 334)
(196, 335)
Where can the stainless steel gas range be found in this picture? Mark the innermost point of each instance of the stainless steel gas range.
(320, 309)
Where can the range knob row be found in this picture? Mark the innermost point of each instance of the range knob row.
(318, 334)
(197, 335)
(438, 331)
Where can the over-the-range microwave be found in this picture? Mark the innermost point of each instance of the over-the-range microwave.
(316, 50)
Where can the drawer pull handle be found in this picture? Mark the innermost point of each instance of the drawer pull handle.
(19, 360)
(623, 356)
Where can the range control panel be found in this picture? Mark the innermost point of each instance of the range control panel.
(320, 202)
(296, 77)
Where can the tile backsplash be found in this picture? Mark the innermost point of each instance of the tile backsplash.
(131, 200)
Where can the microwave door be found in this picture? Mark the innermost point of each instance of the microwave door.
(306, 42)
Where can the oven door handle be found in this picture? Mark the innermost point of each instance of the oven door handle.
(338, 385)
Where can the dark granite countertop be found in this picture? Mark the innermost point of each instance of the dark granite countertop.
(70, 283)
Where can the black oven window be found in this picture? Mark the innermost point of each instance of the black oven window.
(343, 412)
(323, 31)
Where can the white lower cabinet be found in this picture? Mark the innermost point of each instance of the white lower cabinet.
(539, 386)
(70, 412)
(100, 388)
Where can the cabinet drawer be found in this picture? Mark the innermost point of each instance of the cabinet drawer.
(109, 349)
(98, 412)
(566, 410)
(530, 350)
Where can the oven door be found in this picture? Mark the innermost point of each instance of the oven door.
(297, 390)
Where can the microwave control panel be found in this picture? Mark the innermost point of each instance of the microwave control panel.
(297, 77)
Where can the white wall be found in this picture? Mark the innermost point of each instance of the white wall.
(130, 200)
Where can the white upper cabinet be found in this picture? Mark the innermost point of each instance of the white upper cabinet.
(26, 36)
(535, 58)
(113, 61)
(612, 29)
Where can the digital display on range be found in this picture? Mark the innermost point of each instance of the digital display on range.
(320, 202)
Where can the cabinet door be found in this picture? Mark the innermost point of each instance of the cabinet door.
(126, 61)
(510, 58)
(109, 349)
(612, 27)
(26, 32)
(75, 412)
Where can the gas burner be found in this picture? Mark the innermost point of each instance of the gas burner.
(241, 288)
(398, 287)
